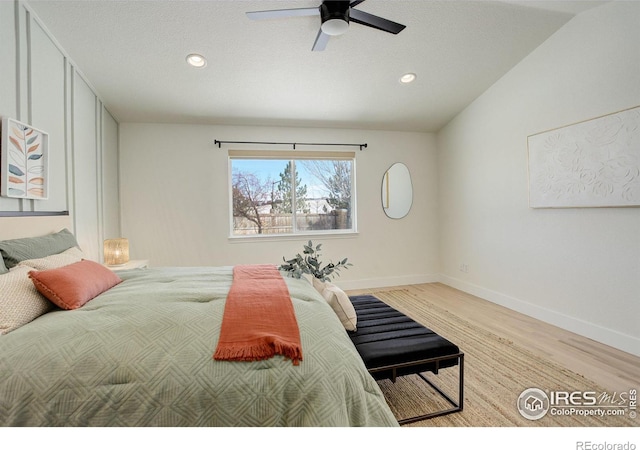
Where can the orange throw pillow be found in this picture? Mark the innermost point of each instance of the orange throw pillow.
(72, 286)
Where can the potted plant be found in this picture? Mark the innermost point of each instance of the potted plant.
(310, 264)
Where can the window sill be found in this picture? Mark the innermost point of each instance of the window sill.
(292, 237)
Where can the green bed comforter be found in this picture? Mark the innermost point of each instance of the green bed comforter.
(140, 354)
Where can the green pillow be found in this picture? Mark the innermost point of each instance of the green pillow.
(15, 250)
(3, 268)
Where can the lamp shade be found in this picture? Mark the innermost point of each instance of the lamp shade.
(116, 251)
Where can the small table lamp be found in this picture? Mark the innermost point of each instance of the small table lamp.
(116, 251)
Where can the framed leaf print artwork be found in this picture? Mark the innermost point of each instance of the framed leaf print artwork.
(25, 161)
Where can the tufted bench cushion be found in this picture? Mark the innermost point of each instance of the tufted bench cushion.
(393, 345)
(386, 337)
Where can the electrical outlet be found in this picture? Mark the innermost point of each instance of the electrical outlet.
(464, 267)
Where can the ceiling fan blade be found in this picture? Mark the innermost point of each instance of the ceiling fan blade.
(280, 13)
(355, 3)
(372, 21)
(321, 41)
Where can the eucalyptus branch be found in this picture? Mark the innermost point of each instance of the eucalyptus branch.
(310, 264)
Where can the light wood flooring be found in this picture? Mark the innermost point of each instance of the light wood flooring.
(612, 369)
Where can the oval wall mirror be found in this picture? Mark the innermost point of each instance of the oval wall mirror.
(397, 191)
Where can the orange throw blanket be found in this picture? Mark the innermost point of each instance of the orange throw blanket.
(258, 319)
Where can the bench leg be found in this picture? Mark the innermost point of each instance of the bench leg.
(456, 405)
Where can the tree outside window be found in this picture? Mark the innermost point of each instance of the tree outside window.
(264, 192)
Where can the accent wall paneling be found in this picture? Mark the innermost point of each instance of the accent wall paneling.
(110, 176)
(41, 86)
(8, 56)
(47, 79)
(85, 163)
(8, 81)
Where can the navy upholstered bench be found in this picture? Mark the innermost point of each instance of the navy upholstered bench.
(393, 345)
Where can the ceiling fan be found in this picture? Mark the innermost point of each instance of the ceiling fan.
(335, 16)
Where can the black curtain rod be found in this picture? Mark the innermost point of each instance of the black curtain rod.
(219, 143)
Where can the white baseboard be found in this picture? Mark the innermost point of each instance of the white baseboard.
(598, 333)
(386, 282)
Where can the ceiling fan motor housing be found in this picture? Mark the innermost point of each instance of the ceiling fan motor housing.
(335, 17)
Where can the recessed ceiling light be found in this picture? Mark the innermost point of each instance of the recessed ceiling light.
(407, 78)
(196, 60)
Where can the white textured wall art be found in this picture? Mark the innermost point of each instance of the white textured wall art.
(595, 163)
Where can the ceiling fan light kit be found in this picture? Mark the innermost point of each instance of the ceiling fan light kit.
(335, 17)
(335, 27)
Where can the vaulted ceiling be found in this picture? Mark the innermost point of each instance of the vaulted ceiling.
(264, 73)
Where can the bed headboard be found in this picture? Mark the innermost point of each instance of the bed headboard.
(32, 226)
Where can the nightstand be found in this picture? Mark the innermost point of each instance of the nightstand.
(132, 264)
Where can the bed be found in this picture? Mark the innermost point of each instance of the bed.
(140, 354)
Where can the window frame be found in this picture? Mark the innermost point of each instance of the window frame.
(293, 156)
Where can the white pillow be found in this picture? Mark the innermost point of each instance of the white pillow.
(20, 301)
(339, 302)
(70, 256)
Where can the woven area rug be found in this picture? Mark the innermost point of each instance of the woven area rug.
(496, 373)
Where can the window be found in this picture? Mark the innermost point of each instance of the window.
(284, 193)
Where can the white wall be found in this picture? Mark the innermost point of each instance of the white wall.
(577, 268)
(175, 201)
(41, 86)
